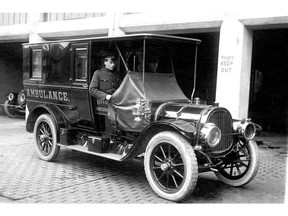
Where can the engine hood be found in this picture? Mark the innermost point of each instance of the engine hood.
(183, 111)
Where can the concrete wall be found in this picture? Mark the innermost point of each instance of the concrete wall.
(234, 66)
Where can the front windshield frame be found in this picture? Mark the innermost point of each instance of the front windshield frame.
(142, 45)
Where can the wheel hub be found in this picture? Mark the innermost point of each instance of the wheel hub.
(165, 166)
(44, 137)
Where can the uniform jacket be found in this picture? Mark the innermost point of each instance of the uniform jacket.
(104, 82)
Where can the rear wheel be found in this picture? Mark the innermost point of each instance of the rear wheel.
(45, 133)
(171, 166)
(241, 165)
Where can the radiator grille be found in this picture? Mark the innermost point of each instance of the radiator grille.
(223, 120)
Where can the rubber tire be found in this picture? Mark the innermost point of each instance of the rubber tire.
(7, 110)
(189, 160)
(55, 148)
(252, 169)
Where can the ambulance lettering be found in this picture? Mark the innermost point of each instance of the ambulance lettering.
(50, 95)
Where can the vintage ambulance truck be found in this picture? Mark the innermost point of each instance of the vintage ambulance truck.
(148, 116)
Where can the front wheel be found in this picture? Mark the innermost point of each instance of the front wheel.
(9, 110)
(241, 165)
(45, 134)
(171, 166)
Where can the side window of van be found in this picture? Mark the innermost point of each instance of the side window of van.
(36, 72)
(80, 64)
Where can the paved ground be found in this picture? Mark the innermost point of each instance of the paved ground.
(80, 178)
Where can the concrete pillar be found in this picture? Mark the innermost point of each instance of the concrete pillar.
(234, 67)
(34, 19)
(114, 29)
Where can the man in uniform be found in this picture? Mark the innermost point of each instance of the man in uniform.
(152, 64)
(105, 81)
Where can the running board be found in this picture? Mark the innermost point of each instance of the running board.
(112, 156)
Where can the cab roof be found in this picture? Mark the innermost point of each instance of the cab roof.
(126, 37)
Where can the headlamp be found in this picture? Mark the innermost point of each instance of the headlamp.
(246, 129)
(210, 134)
(10, 96)
(21, 98)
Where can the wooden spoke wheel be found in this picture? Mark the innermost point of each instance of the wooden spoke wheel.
(171, 166)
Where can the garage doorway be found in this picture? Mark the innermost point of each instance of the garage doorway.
(268, 104)
(11, 76)
(206, 68)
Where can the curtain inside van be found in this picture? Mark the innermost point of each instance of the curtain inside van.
(158, 88)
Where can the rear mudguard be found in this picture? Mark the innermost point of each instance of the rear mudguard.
(56, 113)
(186, 129)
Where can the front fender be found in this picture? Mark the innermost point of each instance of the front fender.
(184, 128)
